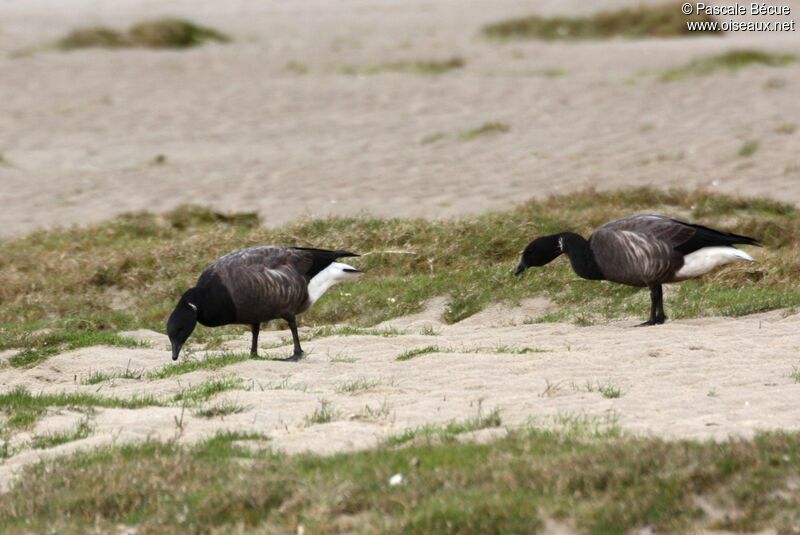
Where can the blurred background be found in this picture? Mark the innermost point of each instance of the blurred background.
(430, 108)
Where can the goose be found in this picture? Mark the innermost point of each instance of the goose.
(255, 285)
(642, 250)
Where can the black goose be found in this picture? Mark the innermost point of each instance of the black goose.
(256, 285)
(642, 250)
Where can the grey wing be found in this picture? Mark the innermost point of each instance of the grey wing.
(263, 282)
(639, 250)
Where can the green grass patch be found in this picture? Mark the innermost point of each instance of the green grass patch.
(39, 344)
(160, 33)
(414, 353)
(205, 390)
(598, 484)
(484, 130)
(220, 410)
(324, 413)
(426, 68)
(48, 305)
(101, 377)
(664, 20)
(362, 384)
(749, 148)
(610, 391)
(21, 408)
(51, 440)
(211, 362)
(728, 61)
(449, 431)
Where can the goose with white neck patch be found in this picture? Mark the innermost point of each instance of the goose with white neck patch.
(646, 250)
(255, 285)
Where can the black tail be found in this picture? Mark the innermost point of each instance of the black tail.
(322, 258)
(708, 237)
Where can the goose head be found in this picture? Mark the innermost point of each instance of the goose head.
(180, 325)
(540, 252)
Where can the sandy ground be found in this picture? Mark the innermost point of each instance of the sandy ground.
(242, 130)
(706, 378)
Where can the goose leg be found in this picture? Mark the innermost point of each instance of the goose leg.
(298, 351)
(254, 328)
(657, 316)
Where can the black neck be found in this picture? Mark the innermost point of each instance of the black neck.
(580, 256)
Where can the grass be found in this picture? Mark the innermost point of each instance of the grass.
(610, 391)
(21, 408)
(159, 33)
(795, 374)
(727, 61)
(51, 440)
(48, 305)
(447, 432)
(219, 410)
(100, 377)
(414, 353)
(487, 128)
(213, 362)
(362, 384)
(664, 20)
(749, 148)
(598, 484)
(39, 344)
(425, 68)
(484, 130)
(205, 390)
(323, 414)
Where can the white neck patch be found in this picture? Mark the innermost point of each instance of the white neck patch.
(194, 307)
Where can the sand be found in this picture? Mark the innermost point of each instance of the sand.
(710, 378)
(240, 129)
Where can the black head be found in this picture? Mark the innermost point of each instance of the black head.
(539, 252)
(180, 325)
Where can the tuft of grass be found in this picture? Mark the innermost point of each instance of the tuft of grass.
(795, 374)
(97, 36)
(323, 414)
(362, 384)
(484, 130)
(213, 362)
(783, 128)
(413, 353)
(449, 431)
(100, 377)
(205, 390)
(22, 409)
(749, 148)
(610, 391)
(427, 68)
(40, 344)
(219, 410)
(728, 61)
(665, 20)
(160, 33)
(596, 483)
(51, 440)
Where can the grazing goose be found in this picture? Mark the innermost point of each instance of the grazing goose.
(642, 250)
(256, 285)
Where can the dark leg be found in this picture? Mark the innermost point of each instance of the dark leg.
(298, 351)
(657, 316)
(254, 328)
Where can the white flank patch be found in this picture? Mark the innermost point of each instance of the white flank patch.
(706, 259)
